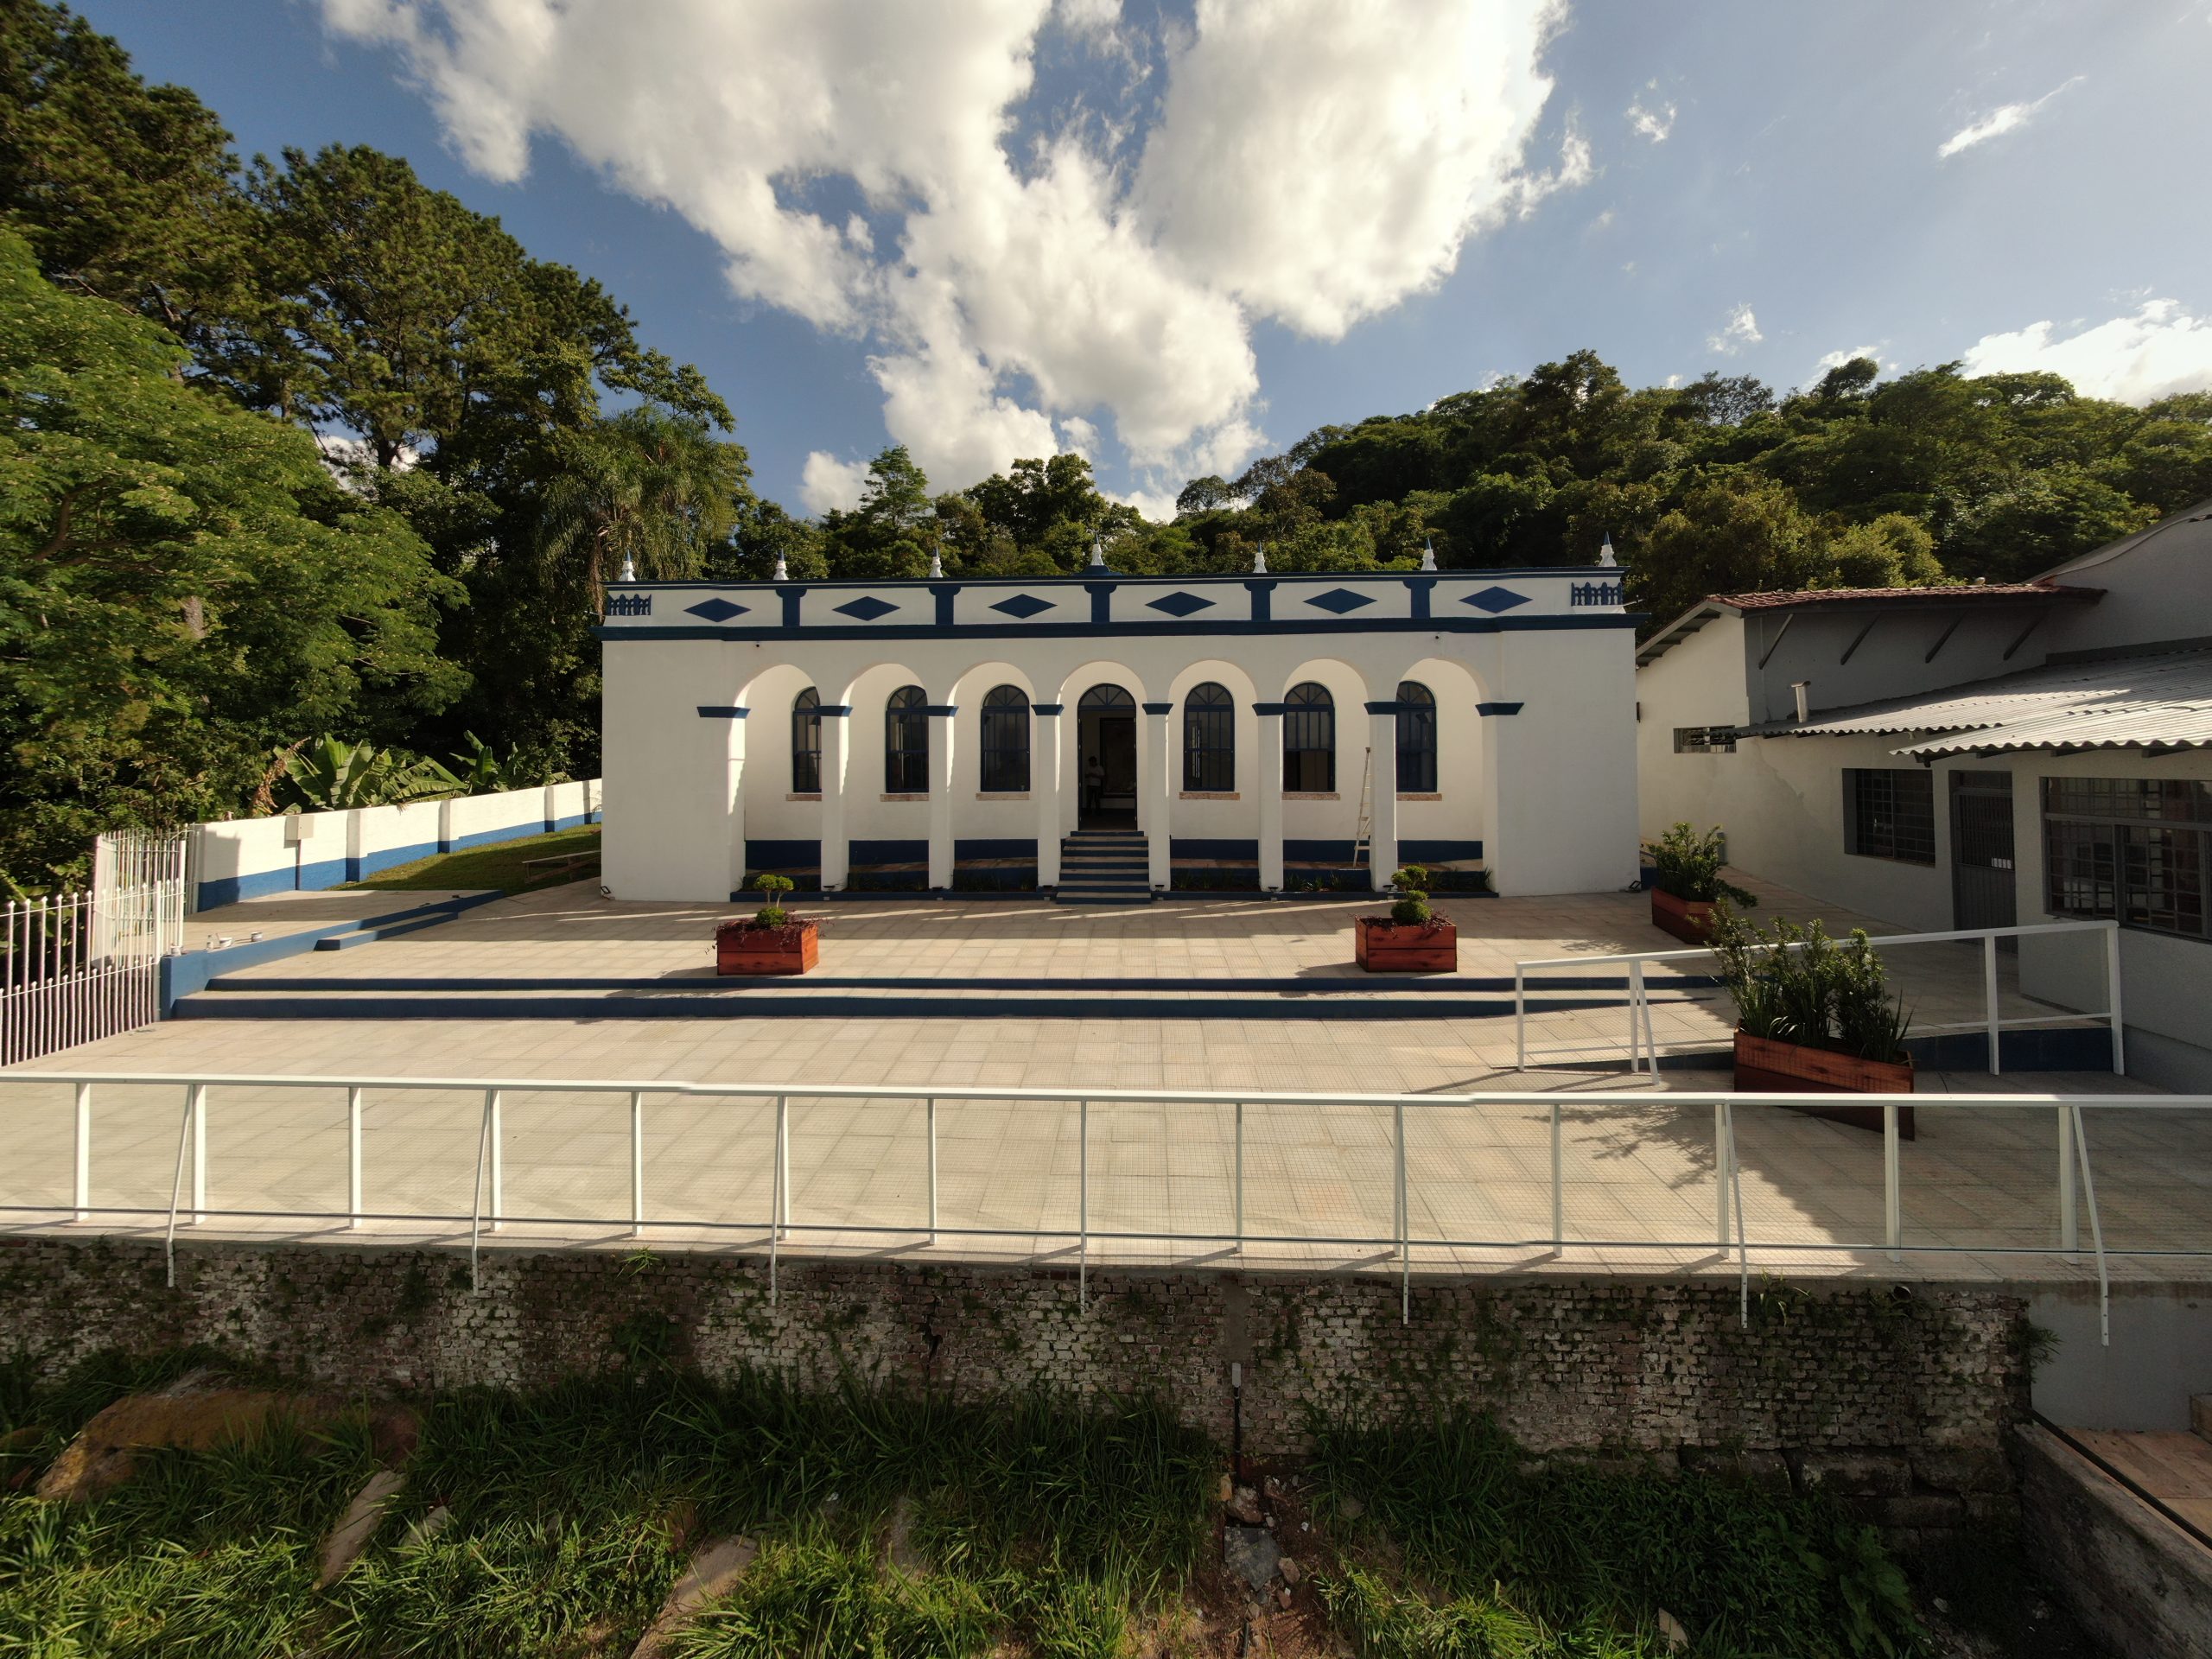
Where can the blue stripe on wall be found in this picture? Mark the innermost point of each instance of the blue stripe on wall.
(890, 852)
(1437, 852)
(1002, 848)
(1319, 852)
(1229, 851)
(783, 855)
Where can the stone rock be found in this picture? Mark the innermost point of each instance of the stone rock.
(358, 1525)
(427, 1528)
(898, 1540)
(714, 1570)
(1670, 1629)
(1244, 1507)
(191, 1415)
(1351, 1508)
(1252, 1554)
(1289, 1568)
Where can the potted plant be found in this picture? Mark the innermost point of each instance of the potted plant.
(773, 941)
(1815, 1016)
(1412, 938)
(1686, 881)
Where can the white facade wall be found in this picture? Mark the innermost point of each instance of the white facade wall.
(1535, 742)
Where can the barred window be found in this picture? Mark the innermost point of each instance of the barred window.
(1890, 814)
(1309, 740)
(806, 743)
(1208, 739)
(2133, 850)
(1416, 739)
(1705, 740)
(906, 743)
(1006, 739)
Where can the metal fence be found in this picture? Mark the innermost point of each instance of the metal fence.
(2075, 1187)
(1643, 1048)
(78, 966)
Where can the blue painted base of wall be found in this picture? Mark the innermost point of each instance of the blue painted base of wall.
(360, 869)
(323, 874)
(183, 975)
(1437, 852)
(2076, 1048)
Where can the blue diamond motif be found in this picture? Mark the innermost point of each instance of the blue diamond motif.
(1340, 599)
(867, 608)
(1023, 605)
(716, 610)
(1180, 604)
(1495, 600)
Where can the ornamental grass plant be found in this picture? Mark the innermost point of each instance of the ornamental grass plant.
(1798, 985)
(1687, 863)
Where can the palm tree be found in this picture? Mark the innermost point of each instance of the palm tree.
(649, 487)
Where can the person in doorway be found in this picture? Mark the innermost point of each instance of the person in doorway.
(1094, 784)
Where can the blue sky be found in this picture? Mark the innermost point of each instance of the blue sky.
(1179, 235)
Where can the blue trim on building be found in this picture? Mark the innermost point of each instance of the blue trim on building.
(1226, 851)
(707, 712)
(1002, 847)
(1499, 707)
(888, 852)
(791, 597)
(388, 858)
(1419, 589)
(1318, 852)
(1395, 708)
(783, 855)
(835, 710)
(944, 593)
(941, 710)
(1102, 610)
(1158, 708)
(1262, 590)
(218, 891)
(1268, 707)
(1047, 708)
(1436, 852)
(1285, 577)
(1099, 627)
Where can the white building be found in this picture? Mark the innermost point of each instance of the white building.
(1223, 721)
(1970, 757)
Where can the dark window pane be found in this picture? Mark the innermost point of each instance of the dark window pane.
(806, 743)
(1006, 740)
(1889, 813)
(2126, 849)
(1208, 739)
(906, 743)
(1309, 740)
(1416, 739)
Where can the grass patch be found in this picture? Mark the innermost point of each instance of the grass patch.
(481, 869)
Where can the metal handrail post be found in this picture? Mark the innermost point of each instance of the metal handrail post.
(1559, 1187)
(637, 1163)
(1083, 1207)
(1989, 994)
(2069, 1223)
(495, 1116)
(783, 1172)
(1720, 1168)
(2096, 1226)
(1405, 1230)
(1742, 1238)
(81, 1187)
(197, 1109)
(476, 1198)
(176, 1183)
(1635, 1020)
(933, 1125)
(1240, 1178)
(2111, 1000)
(1520, 1020)
(1892, 1181)
(776, 1197)
(354, 1157)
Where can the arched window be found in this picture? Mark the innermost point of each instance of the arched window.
(1416, 739)
(1309, 740)
(1208, 739)
(1006, 739)
(906, 743)
(806, 743)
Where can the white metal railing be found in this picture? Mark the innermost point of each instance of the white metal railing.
(1642, 1048)
(488, 1209)
(78, 966)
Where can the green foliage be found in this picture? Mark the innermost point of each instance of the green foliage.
(772, 914)
(330, 775)
(1578, 1559)
(1800, 986)
(503, 865)
(1687, 863)
(1411, 908)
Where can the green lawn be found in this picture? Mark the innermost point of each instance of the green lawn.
(499, 865)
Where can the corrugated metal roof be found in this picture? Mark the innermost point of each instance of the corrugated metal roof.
(2013, 591)
(2121, 702)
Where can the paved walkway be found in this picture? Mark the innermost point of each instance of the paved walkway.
(1637, 1182)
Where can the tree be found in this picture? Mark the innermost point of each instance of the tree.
(182, 584)
(647, 487)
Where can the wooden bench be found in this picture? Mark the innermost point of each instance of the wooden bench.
(559, 864)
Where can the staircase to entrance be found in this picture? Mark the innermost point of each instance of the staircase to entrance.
(1104, 867)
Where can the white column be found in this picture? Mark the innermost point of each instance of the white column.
(1382, 778)
(1271, 796)
(1157, 786)
(734, 762)
(941, 728)
(836, 851)
(1044, 790)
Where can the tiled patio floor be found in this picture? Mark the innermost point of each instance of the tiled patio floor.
(1978, 1184)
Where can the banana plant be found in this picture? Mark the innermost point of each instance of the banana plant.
(329, 775)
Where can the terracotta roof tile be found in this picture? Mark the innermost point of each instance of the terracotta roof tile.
(1957, 590)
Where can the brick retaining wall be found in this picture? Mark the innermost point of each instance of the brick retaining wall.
(1901, 1399)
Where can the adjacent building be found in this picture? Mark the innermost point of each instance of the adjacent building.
(1972, 756)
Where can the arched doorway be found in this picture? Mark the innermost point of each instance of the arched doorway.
(1106, 758)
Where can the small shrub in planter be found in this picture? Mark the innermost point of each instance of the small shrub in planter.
(1815, 1016)
(772, 942)
(1412, 938)
(1686, 881)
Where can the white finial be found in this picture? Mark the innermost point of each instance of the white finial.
(1427, 553)
(1260, 560)
(937, 564)
(629, 568)
(1098, 554)
(783, 571)
(1606, 552)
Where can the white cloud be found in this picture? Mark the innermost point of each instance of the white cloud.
(1741, 329)
(2159, 350)
(2010, 118)
(1079, 436)
(827, 482)
(1837, 359)
(1310, 163)
(1653, 121)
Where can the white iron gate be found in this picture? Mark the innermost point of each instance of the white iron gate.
(78, 966)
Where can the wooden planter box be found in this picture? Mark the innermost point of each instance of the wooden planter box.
(1765, 1066)
(1688, 920)
(1383, 946)
(743, 946)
